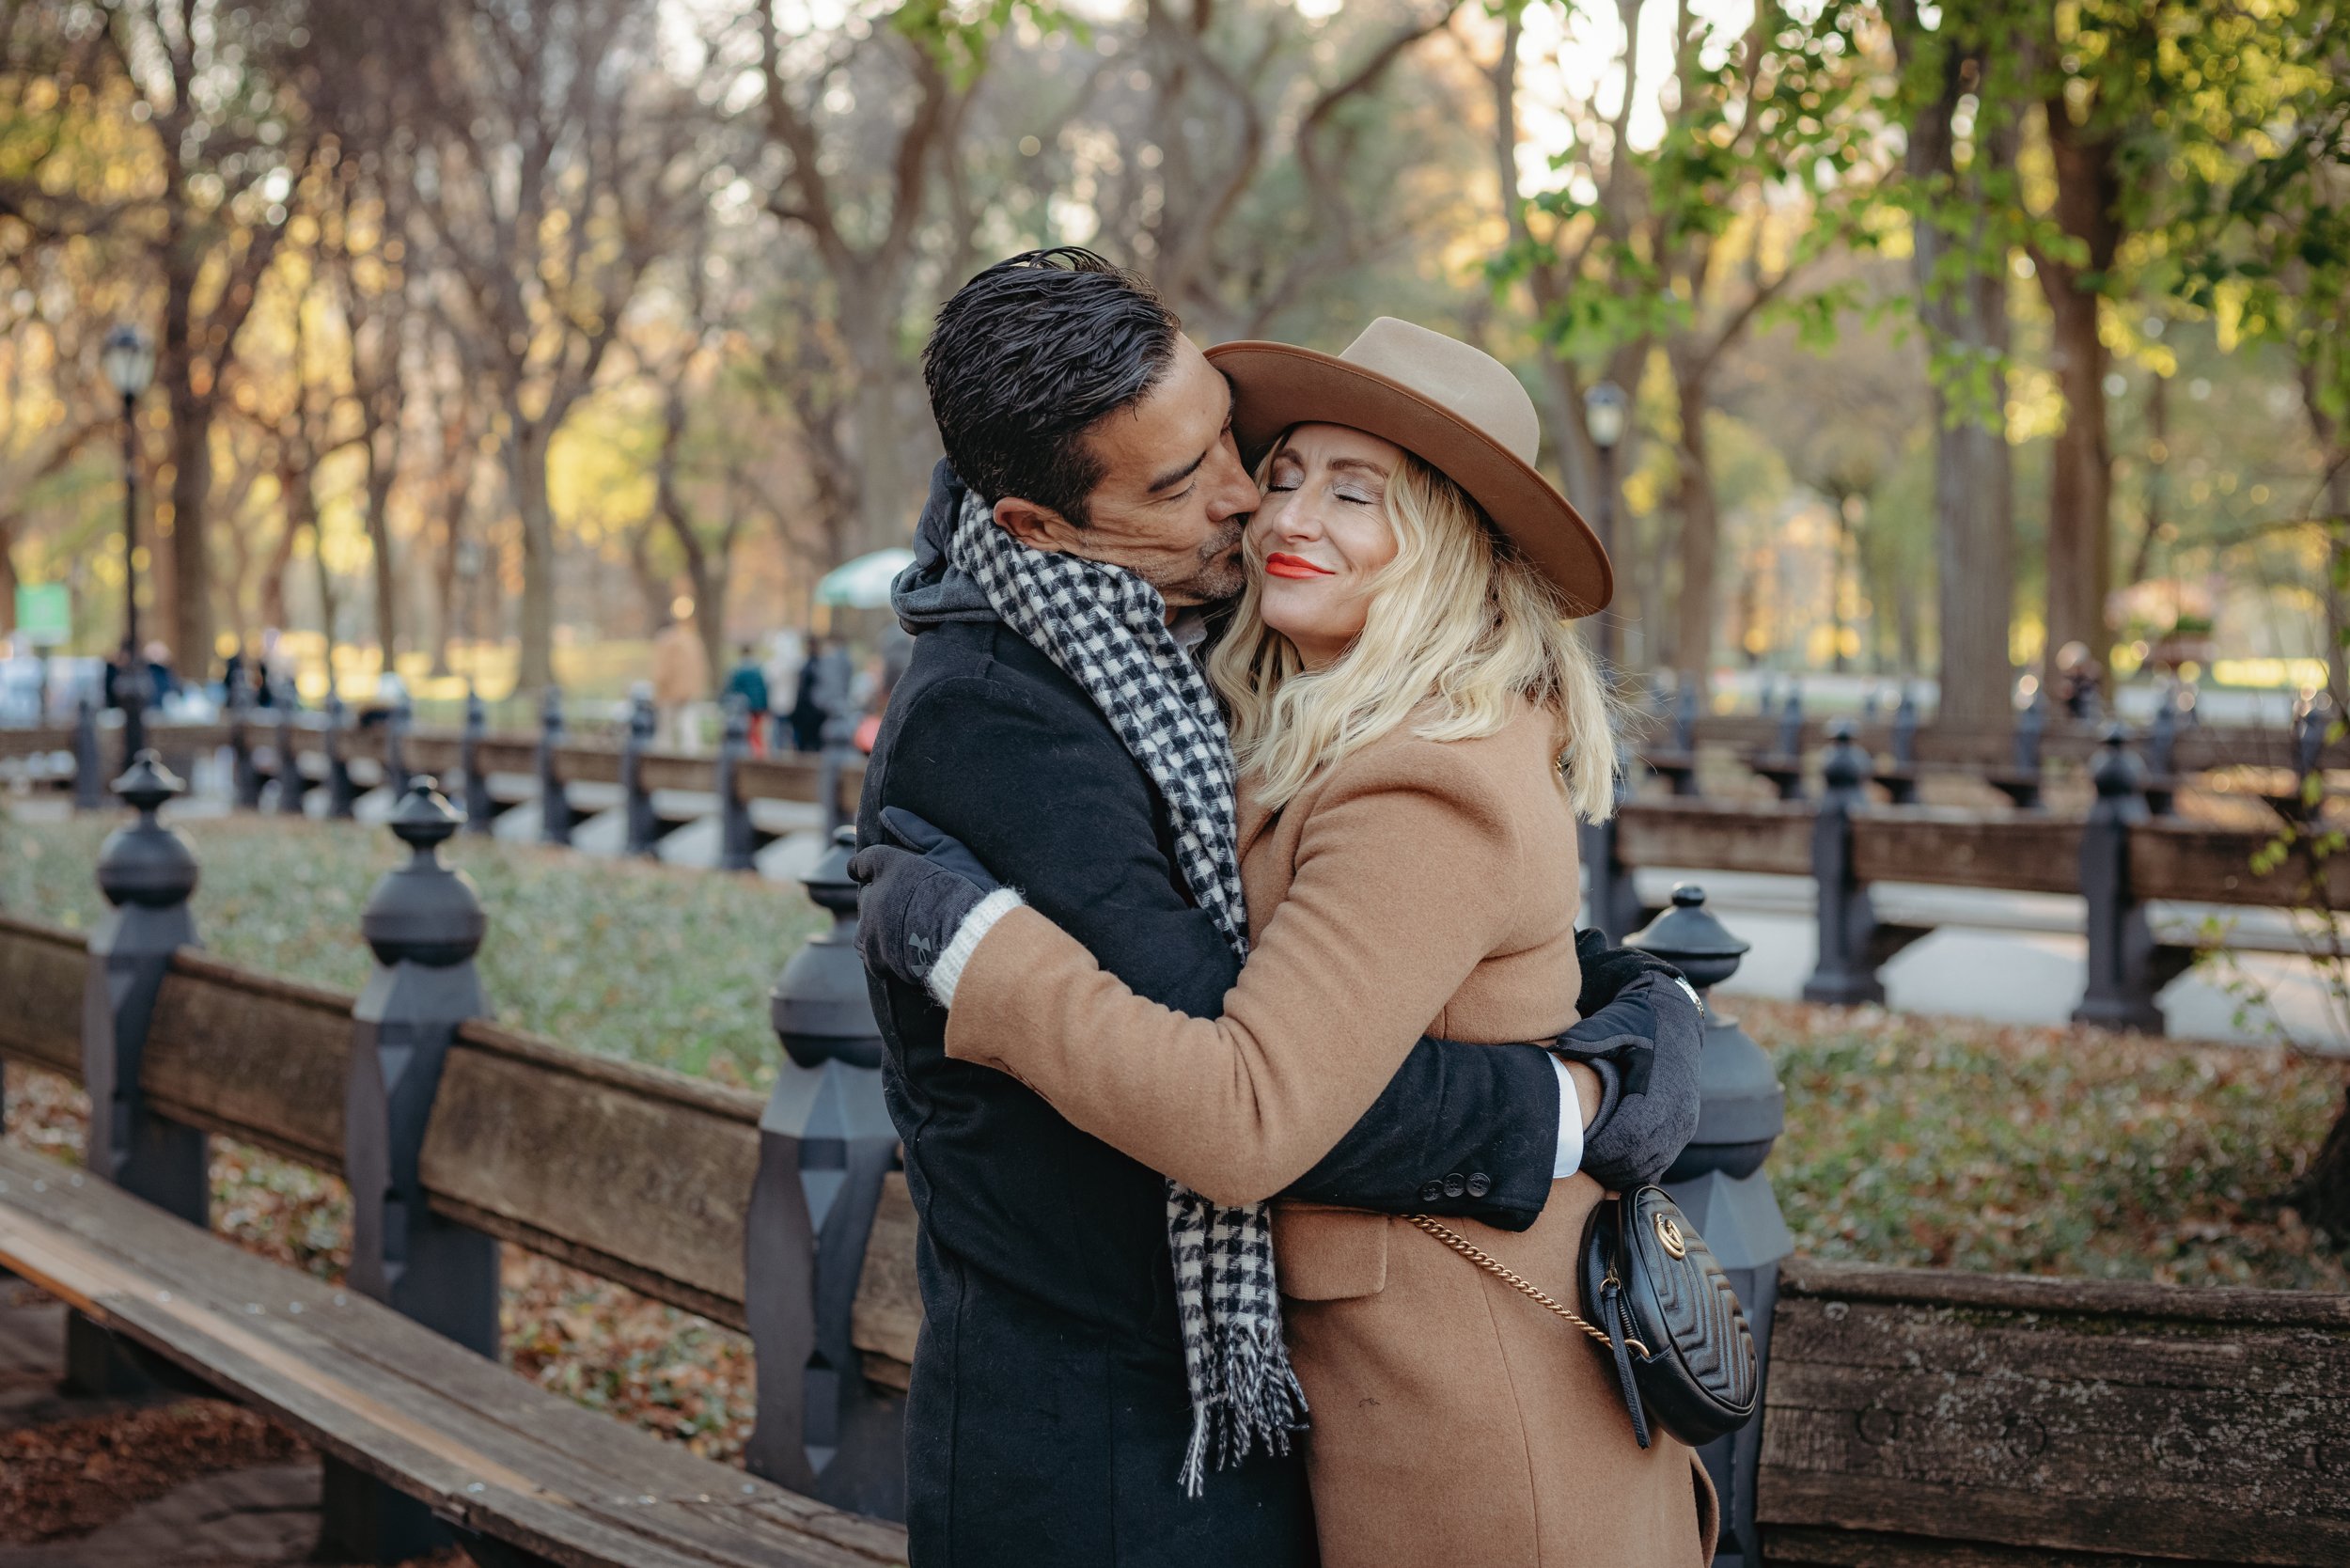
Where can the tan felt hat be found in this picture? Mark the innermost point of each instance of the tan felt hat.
(1455, 407)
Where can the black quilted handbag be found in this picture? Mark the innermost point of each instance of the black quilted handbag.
(1684, 1357)
(1684, 1354)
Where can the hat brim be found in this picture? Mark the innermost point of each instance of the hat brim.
(1276, 386)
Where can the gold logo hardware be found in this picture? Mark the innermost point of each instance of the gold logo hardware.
(1669, 1236)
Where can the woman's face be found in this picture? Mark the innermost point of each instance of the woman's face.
(1321, 534)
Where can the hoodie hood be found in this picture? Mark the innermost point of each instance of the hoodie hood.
(932, 591)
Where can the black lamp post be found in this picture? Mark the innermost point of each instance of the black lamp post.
(129, 359)
(1605, 410)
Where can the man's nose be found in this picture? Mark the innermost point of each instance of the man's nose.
(1231, 491)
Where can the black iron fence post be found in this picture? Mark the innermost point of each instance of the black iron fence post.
(1613, 903)
(644, 830)
(2127, 968)
(245, 779)
(825, 1144)
(2162, 742)
(738, 845)
(478, 807)
(2022, 785)
(146, 872)
(1846, 970)
(396, 724)
(1900, 777)
(1719, 1183)
(424, 923)
(89, 784)
(292, 784)
(555, 802)
(341, 793)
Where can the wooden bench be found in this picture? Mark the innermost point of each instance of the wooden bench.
(537, 1478)
(1923, 1416)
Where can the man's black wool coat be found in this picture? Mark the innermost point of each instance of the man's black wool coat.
(1048, 1416)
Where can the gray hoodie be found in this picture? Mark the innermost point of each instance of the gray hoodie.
(932, 591)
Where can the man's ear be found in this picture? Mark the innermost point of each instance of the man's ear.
(1038, 528)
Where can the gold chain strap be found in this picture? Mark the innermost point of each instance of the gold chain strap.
(1511, 1277)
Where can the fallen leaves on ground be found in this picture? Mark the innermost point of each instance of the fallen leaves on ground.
(2007, 1148)
(69, 1477)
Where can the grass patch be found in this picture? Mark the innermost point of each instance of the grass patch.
(650, 962)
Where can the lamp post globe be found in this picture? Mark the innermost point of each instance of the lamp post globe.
(1606, 410)
(128, 357)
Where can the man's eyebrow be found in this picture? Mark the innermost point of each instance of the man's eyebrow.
(1174, 477)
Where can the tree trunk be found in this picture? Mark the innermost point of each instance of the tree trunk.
(1701, 538)
(1966, 321)
(7, 575)
(882, 511)
(527, 471)
(2081, 473)
(382, 469)
(1974, 499)
(2336, 522)
(2080, 482)
(2322, 1196)
(445, 586)
(274, 580)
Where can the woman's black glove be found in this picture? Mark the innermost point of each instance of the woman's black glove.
(1641, 1031)
(914, 891)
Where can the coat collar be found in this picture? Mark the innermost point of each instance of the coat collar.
(1253, 816)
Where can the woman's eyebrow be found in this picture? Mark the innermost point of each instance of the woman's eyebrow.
(1375, 470)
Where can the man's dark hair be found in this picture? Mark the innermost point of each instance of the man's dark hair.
(1029, 354)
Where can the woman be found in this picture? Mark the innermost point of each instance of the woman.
(1416, 731)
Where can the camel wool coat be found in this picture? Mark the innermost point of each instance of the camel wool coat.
(1453, 1419)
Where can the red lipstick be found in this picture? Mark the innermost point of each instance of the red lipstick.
(1281, 565)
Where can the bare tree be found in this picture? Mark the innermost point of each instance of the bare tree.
(559, 154)
(223, 153)
(859, 184)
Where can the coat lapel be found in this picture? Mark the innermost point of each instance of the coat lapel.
(1251, 818)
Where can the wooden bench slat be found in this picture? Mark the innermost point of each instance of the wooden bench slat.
(42, 970)
(637, 1174)
(2059, 1414)
(390, 1396)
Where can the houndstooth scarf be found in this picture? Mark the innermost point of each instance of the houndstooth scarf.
(1106, 629)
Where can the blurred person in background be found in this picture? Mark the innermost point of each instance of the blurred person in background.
(786, 653)
(822, 692)
(681, 677)
(748, 680)
(162, 684)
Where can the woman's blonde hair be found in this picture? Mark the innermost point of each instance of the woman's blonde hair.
(1458, 625)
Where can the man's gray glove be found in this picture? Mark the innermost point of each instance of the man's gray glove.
(1642, 1028)
(915, 892)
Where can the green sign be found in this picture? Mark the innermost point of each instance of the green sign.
(44, 614)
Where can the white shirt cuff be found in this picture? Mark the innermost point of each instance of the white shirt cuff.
(978, 924)
(1570, 1121)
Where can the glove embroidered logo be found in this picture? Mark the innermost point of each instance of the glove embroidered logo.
(925, 952)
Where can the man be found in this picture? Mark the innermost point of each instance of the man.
(1051, 1411)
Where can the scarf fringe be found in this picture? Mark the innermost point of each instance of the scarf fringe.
(1258, 1399)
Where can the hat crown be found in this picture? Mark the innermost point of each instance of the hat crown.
(1459, 377)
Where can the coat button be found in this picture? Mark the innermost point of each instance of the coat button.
(1480, 1184)
(1430, 1191)
(1453, 1185)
